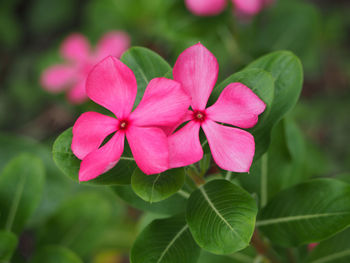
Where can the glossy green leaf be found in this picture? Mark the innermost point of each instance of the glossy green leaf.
(165, 241)
(221, 217)
(171, 206)
(70, 164)
(157, 187)
(307, 213)
(21, 188)
(55, 254)
(262, 84)
(333, 250)
(8, 244)
(287, 71)
(77, 224)
(245, 256)
(146, 65)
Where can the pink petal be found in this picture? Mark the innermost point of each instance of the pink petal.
(206, 7)
(89, 131)
(248, 7)
(77, 94)
(112, 85)
(237, 105)
(164, 103)
(103, 159)
(184, 146)
(170, 129)
(232, 149)
(112, 44)
(76, 48)
(149, 147)
(197, 70)
(58, 77)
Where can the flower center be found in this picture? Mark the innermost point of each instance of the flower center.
(123, 124)
(199, 116)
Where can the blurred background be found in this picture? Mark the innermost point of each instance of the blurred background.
(31, 31)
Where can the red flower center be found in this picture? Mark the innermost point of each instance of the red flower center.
(199, 116)
(123, 124)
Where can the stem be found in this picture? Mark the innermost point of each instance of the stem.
(262, 248)
(264, 179)
(183, 194)
(228, 176)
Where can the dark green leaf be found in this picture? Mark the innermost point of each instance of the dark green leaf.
(287, 71)
(171, 206)
(21, 188)
(165, 241)
(78, 223)
(55, 254)
(157, 187)
(146, 65)
(221, 217)
(8, 244)
(307, 213)
(262, 84)
(333, 250)
(246, 256)
(70, 164)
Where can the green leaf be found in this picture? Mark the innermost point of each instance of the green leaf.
(157, 187)
(307, 213)
(165, 240)
(171, 206)
(146, 65)
(262, 84)
(8, 244)
(70, 164)
(287, 71)
(221, 217)
(77, 223)
(55, 254)
(333, 250)
(21, 188)
(245, 256)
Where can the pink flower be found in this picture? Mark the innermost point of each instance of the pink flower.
(215, 7)
(232, 149)
(80, 59)
(311, 246)
(113, 85)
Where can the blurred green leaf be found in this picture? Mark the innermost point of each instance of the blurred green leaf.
(306, 213)
(157, 187)
(21, 188)
(245, 256)
(77, 224)
(8, 244)
(262, 84)
(333, 250)
(171, 206)
(146, 65)
(70, 164)
(287, 71)
(221, 217)
(165, 240)
(55, 254)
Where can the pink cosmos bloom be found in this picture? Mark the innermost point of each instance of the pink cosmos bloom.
(80, 59)
(206, 7)
(113, 85)
(232, 149)
(215, 7)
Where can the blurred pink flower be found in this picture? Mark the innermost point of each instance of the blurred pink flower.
(232, 149)
(312, 246)
(80, 58)
(243, 8)
(113, 85)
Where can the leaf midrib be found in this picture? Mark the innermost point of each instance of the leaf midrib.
(206, 197)
(296, 218)
(333, 256)
(172, 242)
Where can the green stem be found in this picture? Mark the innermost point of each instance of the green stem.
(228, 176)
(183, 194)
(264, 180)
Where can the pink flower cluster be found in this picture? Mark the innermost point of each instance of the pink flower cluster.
(164, 107)
(79, 60)
(244, 8)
